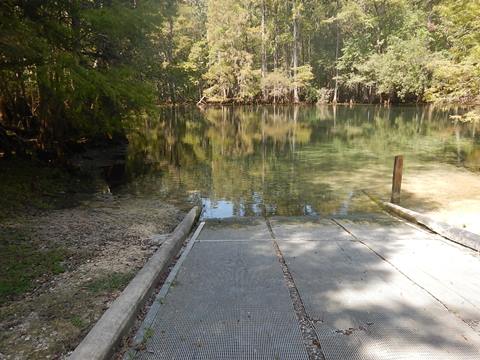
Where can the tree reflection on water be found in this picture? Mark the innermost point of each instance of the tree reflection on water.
(289, 160)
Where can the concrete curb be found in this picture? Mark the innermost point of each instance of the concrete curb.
(102, 339)
(460, 236)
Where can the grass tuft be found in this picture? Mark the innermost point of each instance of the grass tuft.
(110, 282)
(78, 322)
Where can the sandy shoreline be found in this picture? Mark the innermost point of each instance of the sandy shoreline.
(449, 194)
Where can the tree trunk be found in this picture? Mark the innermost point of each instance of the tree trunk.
(295, 55)
(171, 85)
(275, 40)
(337, 49)
(264, 49)
(5, 145)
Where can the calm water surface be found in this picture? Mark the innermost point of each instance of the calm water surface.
(286, 160)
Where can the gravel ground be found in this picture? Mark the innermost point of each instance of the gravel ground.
(107, 241)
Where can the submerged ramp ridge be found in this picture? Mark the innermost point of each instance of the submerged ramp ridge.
(354, 287)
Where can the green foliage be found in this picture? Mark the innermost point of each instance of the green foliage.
(220, 78)
(277, 85)
(454, 82)
(180, 53)
(324, 95)
(403, 70)
(367, 50)
(248, 84)
(74, 69)
(456, 76)
(230, 72)
(460, 24)
(303, 77)
(70, 70)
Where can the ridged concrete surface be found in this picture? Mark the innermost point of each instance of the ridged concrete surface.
(372, 287)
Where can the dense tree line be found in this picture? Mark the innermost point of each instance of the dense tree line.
(73, 69)
(342, 50)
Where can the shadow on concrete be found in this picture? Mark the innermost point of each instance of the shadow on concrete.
(230, 299)
(365, 308)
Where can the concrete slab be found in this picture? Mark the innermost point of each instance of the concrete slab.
(372, 286)
(455, 234)
(385, 231)
(446, 270)
(229, 301)
(246, 229)
(363, 308)
(359, 218)
(307, 228)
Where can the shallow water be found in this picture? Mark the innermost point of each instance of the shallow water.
(286, 160)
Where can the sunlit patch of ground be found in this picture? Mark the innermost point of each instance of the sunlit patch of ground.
(447, 193)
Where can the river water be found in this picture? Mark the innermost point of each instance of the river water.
(293, 160)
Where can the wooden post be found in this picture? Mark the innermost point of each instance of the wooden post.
(397, 179)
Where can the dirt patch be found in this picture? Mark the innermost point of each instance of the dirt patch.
(446, 193)
(453, 196)
(33, 186)
(103, 244)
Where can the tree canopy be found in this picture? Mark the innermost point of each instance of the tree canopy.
(75, 69)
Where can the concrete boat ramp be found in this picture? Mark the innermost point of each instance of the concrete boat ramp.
(358, 287)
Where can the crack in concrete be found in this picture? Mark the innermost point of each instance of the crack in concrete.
(306, 324)
(351, 330)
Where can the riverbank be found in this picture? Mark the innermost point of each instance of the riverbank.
(446, 193)
(450, 195)
(66, 256)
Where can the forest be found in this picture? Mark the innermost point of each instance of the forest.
(76, 70)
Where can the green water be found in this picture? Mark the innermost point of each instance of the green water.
(286, 160)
